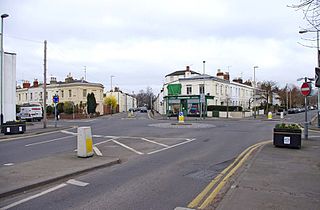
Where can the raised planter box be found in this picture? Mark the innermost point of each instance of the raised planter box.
(14, 129)
(290, 138)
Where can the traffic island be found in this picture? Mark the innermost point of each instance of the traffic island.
(287, 135)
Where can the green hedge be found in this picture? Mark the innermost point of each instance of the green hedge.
(224, 108)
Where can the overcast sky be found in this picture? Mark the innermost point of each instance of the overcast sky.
(141, 41)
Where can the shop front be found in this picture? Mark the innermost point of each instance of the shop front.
(190, 105)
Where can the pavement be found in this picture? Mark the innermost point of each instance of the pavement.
(275, 178)
(25, 176)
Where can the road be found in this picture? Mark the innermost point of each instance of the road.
(163, 166)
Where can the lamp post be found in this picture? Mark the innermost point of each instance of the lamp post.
(318, 55)
(254, 89)
(3, 16)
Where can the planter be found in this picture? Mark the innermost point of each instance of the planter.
(14, 129)
(290, 138)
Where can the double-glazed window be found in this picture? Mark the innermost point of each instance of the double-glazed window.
(201, 88)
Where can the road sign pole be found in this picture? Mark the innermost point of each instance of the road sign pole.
(55, 115)
(305, 119)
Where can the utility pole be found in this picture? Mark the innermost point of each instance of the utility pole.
(45, 85)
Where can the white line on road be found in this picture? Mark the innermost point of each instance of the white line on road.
(127, 147)
(77, 183)
(187, 141)
(34, 196)
(97, 151)
(69, 132)
(8, 164)
(154, 142)
(102, 142)
(48, 141)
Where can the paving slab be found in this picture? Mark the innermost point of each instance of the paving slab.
(27, 175)
(277, 178)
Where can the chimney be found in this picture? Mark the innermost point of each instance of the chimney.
(220, 74)
(53, 80)
(187, 73)
(226, 76)
(26, 84)
(35, 83)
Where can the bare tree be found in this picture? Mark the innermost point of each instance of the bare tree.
(311, 12)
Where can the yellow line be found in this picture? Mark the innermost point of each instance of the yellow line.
(214, 193)
(200, 197)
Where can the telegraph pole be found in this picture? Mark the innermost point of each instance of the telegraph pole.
(45, 85)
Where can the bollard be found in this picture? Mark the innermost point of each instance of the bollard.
(281, 115)
(84, 143)
(269, 115)
(181, 117)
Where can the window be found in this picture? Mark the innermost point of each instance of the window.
(46, 95)
(189, 89)
(84, 93)
(62, 93)
(217, 89)
(201, 89)
(19, 97)
(26, 96)
(30, 96)
(221, 89)
(70, 93)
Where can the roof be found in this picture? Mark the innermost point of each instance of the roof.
(180, 72)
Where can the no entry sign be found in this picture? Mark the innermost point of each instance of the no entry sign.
(305, 89)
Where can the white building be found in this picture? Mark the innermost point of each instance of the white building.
(185, 89)
(125, 101)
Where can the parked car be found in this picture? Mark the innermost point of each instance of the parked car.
(143, 109)
(281, 110)
(30, 112)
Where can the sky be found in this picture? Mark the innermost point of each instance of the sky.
(139, 42)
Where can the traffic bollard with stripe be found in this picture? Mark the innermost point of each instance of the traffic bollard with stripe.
(84, 143)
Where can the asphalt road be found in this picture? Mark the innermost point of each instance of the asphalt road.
(163, 167)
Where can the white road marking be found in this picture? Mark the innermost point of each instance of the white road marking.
(8, 164)
(154, 142)
(34, 196)
(97, 151)
(69, 132)
(48, 141)
(98, 136)
(185, 142)
(102, 142)
(127, 147)
(77, 183)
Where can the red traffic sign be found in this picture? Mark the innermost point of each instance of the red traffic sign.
(305, 89)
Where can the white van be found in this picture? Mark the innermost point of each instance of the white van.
(31, 112)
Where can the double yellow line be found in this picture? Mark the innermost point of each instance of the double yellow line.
(231, 169)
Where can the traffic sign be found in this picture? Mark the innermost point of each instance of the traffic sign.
(306, 89)
(55, 99)
(317, 76)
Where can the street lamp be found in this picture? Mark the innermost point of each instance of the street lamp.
(318, 54)
(254, 90)
(3, 16)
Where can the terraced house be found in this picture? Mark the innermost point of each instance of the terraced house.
(192, 92)
(69, 90)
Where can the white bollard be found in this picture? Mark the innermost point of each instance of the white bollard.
(84, 143)
(281, 115)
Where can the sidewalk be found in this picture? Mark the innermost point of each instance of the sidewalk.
(28, 175)
(33, 129)
(277, 178)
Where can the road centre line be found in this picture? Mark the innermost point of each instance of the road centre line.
(127, 147)
(34, 196)
(48, 141)
(240, 159)
(154, 142)
(185, 142)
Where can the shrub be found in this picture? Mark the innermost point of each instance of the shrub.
(292, 126)
(49, 110)
(68, 107)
